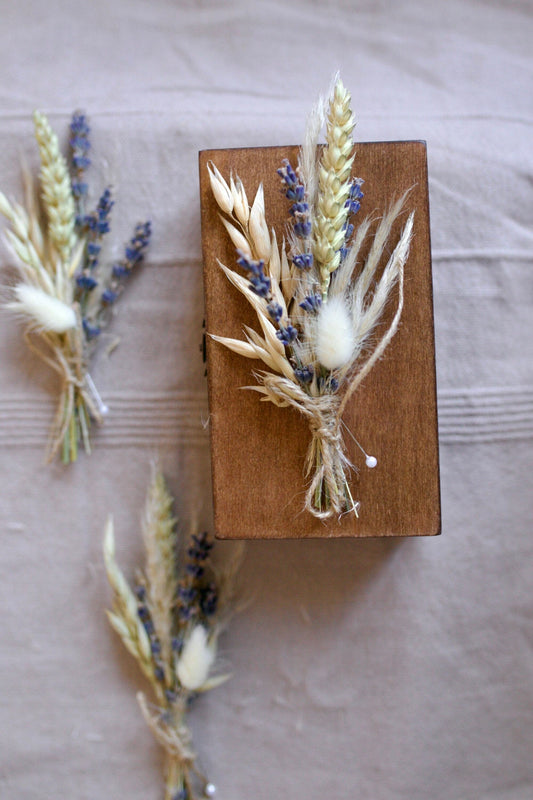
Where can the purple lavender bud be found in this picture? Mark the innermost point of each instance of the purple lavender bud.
(79, 142)
(209, 600)
(79, 189)
(80, 162)
(86, 282)
(304, 375)
(311, 303)
(355, 189)
(287, 174)
(120, 271)
(299, 208)
(79, 125)
(302, 229)
(186, 593)
(260, 284)
(275, 311)
(195, 570)
(91, 331)
(353, 206)
(303, 260)
(109, 297)
(296, 193)
(287, 334)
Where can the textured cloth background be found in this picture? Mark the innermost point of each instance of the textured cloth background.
(376, 670)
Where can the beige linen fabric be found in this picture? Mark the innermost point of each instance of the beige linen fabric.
(377, 670)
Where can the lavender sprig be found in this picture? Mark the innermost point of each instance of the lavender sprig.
(79, 158)
(353, 204)
(95, 226)
(197, 595)
(97, 316)
(133, 256)
(299, 211)
(259, 283)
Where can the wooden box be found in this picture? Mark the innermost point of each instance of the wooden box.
(257, 449)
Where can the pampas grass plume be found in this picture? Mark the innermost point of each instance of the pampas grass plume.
(45, 313)
(196, 659)
(334, 334)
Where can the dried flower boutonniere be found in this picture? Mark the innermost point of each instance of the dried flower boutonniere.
(64, 293)
(170, 623)
(318, 304)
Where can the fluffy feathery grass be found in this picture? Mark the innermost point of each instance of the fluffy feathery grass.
(170, 622)
(62, 294)
(43, 312)
(318, 304)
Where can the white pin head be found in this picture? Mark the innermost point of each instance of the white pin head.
(210, 790)
(371, 462)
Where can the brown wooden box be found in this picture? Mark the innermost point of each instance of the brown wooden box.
(258, 450)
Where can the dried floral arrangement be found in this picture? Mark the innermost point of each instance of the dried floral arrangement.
(170, 623)
(65, 294)
(318, 303)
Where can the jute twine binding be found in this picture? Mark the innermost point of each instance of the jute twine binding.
(328, 493)
(176, 742)
(67, 359)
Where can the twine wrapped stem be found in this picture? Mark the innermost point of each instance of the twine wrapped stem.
(171, 732)
(328, 493)
(76, 406)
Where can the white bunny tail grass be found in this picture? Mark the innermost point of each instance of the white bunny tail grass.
(42, 312)
(196, 659)
(335, 340)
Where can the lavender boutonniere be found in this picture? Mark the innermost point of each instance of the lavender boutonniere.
(64, 292)
(318, 302)
(170, 622)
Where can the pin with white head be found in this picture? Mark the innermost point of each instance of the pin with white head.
(370, 461)
(101, 406)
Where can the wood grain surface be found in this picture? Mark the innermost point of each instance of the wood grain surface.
(258, 450)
